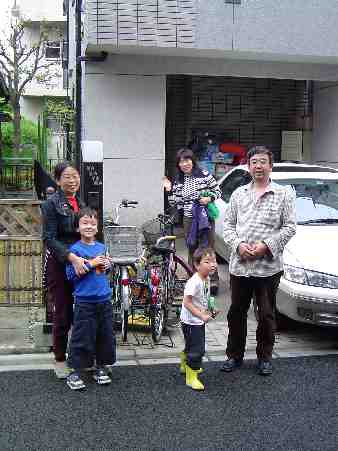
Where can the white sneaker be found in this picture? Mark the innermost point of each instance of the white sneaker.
(101, 377)
(62, 370)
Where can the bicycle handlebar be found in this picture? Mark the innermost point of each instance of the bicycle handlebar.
(126, 203)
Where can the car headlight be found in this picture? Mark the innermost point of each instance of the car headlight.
(311, 278)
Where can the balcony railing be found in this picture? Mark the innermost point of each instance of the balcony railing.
(158, 23)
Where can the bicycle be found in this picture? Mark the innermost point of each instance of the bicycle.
(123, 244)
(172, 270)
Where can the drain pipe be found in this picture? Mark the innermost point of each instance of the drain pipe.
(78, 87)
(308, 106)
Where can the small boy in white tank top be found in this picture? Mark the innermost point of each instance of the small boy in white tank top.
(195, 314)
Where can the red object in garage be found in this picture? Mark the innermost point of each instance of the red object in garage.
(237, 150)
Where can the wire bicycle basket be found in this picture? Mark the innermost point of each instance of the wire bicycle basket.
(123, 243)
(154, 229)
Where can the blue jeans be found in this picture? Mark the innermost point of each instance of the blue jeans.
(92, 336)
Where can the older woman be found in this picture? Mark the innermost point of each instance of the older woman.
(189, 183)
(59, 214)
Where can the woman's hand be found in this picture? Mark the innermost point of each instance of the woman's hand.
(205, 200)
(79, 264)
(167, 184)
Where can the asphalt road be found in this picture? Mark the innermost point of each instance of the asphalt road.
(149, 407)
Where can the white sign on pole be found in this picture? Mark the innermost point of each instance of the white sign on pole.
(92, 151)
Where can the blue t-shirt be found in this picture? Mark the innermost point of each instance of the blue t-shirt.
(91, 287)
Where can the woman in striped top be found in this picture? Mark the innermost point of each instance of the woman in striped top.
(187, 187)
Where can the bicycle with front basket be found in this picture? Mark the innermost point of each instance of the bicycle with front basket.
(172, 270)
(124, 248)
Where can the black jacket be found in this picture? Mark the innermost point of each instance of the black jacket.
(59, 224)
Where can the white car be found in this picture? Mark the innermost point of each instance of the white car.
(308, 290)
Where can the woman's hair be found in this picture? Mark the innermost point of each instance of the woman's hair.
(187, 154)
(60, 167)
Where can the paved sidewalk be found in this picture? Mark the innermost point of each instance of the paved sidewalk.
(18, 335)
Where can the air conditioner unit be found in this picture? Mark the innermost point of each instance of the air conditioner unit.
(296, 145)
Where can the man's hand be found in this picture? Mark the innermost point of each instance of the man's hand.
(246, 251)
(260, 249)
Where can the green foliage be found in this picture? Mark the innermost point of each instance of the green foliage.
(5, 107)
(62, 111)
(29, 138)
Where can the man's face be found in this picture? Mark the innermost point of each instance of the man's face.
(260, 167)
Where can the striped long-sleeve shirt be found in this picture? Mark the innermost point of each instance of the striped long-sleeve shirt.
(184, 194)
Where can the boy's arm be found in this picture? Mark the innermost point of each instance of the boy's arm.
(201, 314)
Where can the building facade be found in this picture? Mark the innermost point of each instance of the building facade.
(250, 69)
(50, 16)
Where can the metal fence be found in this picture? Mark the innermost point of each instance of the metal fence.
(16, 176)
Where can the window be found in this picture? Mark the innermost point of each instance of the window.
(316, 199)
(53, 50)
(237, 178)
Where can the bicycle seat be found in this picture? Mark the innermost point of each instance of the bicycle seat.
(160, 250)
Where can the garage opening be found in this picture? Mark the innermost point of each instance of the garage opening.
(237, 111)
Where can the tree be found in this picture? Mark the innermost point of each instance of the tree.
(64, 115)
(20, 63)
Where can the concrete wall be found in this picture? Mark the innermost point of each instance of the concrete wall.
(288, 29)
(31, 107)
(38, 10)
(163, 65)
(127, 113)
(325, 123)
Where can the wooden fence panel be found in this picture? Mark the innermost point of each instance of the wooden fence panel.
(21, 253)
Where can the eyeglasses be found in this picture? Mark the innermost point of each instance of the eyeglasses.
(261, 161)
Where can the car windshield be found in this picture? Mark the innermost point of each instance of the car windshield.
(316, 200)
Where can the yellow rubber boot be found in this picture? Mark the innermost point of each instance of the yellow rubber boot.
(191, 379)
(183, 362)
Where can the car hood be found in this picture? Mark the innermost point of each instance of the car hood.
(314, 248)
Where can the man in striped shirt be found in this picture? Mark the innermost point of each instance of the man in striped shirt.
(260, 220)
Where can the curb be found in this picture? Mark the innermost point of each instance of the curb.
(25, 362)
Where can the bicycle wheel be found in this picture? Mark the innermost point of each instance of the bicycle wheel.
(120, 303)
(180, 274)
(125, 303)
(157, 322)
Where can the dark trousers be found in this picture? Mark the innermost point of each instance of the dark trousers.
(211, 237)
(242, 290)
(194, 337)
(61, 298)
(92, 336)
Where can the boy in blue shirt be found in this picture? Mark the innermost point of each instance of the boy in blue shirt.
(92, 333)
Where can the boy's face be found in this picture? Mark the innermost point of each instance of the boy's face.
(207, 265)
(88, 227)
